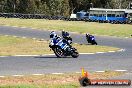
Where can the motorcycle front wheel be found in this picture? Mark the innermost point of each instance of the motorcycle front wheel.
(75, 54)
(94, 43)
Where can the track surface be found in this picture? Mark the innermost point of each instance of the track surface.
(51, 64)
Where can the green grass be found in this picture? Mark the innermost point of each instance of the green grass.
(19, 46)
(18, 86)
(121, 30)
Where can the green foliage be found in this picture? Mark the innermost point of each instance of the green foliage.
(57, 7)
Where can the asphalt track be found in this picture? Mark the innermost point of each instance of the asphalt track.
(50, 64)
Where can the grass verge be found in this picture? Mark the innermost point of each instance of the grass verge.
(69, 80)
(25, 46)
(121, 30)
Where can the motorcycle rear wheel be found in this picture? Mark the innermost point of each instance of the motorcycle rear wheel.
(58, 52)
(75, 54)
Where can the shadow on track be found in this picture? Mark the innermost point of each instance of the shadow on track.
(49, 57)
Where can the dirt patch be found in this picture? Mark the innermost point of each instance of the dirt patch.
(54, 79)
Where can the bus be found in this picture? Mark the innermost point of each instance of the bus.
(105, 15)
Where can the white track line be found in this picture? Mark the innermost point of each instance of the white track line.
(33, 28)
(23, 27)
(100, 52)
(57, 73)
(15, 36)
(28, 55)
(34, 38)
(2, 76)
(24, 37)
(122, 50)
(18, 75)
(54, 54)
(78, 72)
(42, 39)
(14, 26)
(3, 56)
(47, 54)
(86, 53)
(37, 74)
(121, 70)
(24, 55)
(6, 35)
(100, 71)
(111, 51)
(60, 73)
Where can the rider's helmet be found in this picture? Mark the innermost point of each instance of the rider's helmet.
(87, 34)
(53, 34)
(63, 32)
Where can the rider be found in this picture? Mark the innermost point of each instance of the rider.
(65, 34)
(89, 36)
(67, 37)
(54, 38)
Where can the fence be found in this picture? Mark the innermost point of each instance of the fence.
(42, 16)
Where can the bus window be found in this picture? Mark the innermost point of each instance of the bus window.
(87, 14)
(95, 15)
(108, 15)
(117, 15)
(112, 15)
(91, 14)
(104, 15)
(126, 14)
(100, 15)
(121, 15)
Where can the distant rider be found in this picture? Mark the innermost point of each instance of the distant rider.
(91, 39)
(88, 37)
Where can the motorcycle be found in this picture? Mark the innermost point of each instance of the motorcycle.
(62, 49)
(91, 39)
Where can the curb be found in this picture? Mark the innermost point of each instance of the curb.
(121, 50)
(59, 73)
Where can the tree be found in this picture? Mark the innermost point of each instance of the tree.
(65, 8)
(23, 5)
(2, 4)
(118, 4)
(58, 7)
(31, 7)
(10, 6)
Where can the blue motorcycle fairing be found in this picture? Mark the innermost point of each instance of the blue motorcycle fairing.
(92, 37)
(59, 42)
(62, 44)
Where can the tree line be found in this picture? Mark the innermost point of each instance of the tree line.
(58, 7)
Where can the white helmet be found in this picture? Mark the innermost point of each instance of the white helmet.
(87, 34)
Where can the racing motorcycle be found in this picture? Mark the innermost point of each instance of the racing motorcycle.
(91, 39)
(62, 49)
